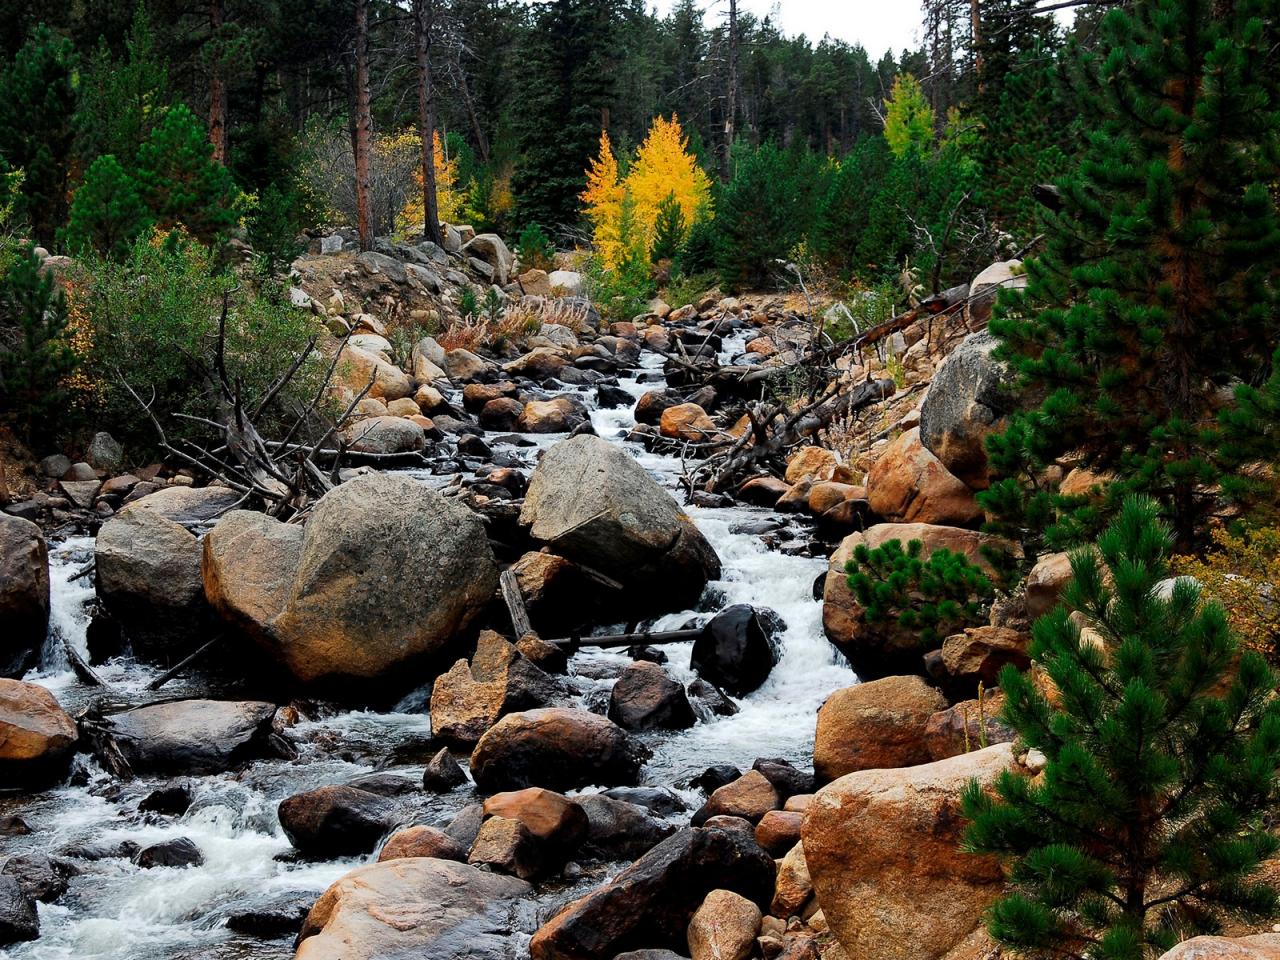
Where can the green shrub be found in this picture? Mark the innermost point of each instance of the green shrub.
(934, 597)
(668, 230)
(535, 249)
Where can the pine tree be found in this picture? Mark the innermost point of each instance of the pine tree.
(844, 214)
(35, 355)
(181, 182)
(107, 214)
(669, 231)
(1161, 743)
(37, 104)
(760, 215)
(1158, 281)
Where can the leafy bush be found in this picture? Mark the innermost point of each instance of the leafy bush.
(535, 249)
(684, 289)
(154, 322)
(36, 355)
(935, 597)
(1241, 573)
(276, 222)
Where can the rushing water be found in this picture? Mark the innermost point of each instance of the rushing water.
(115, 910)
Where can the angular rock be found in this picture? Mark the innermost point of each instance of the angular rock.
(724, 927)
(555, 748)
(650, 903)
(811, 463)
(335, 821)
(874, 725)
(24, 595)
(621, 830)
(508, 846)
(18, 918)
(553, 819)
(652, 405)
(645, 698)
(592, 503)
(883, 649)
(489, 248)
(979, 654)
(183, 737)
(386, 573)
(37, 737)
(737, 652)
(908, 484)
(417, 907)
(967, 726)
(41, 877)
(965, 404)
(422, 842)
(442, 773)
(1045, 583)
(104, 453)
(750, 797)
(911, 893)
(779, 830)
(794, 887)
(501, 414)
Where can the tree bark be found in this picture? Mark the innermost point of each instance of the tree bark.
(362, 126)
(731, 95)
(217, 85)
(423, 20)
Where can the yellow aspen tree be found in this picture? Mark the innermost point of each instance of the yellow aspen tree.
(603, 201)
(449, 199)
(664, 168)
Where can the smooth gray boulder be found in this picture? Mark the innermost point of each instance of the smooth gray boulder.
(385, 435)
(490, 248)
(24, 595)
(593, 504)
(965, 405)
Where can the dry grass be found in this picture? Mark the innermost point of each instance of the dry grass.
(516, 323)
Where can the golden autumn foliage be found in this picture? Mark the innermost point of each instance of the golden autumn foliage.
(663, 167)
(449, 199)
(1241, 571)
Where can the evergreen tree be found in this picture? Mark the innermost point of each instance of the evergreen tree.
(1161, 750)
(35, 355)
(908, 119)
(107, 214)
(1158, 281)
(844, 214)
(760, 215)
(181, 182)
(37, 103)
(668, 232)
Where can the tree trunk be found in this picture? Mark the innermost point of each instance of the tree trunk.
(731, 95)
(362, 126)
(217, 86)
(423, 21)
(975, 18)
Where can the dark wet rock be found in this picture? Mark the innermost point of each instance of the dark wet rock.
(335, 821)
(648, 654)
(465, 824)
(18, 918)
(645, 698)
(41, 877)
(12, 826)
(183, 737)
(443, 773)
(24, 594)
(102, 850)
(621, 830)
(715, 777)
(273, 920)
(738, 650)
(786, 779)
(660, 800)
(555, 748)
(385, 784)
(650, 903)
(609, 397)
(711, 699)
(172, 800)
(180, 852)
(473, 446)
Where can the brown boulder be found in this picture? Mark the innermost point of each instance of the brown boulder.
(335, 821)
(811, 463)
(507, 846)
(416, 907)
(874, 725)
(37, 737)
(688, 422)
(1045, 583)
(779, 830)
(794, 886)
(724, 927)
(764, 491)
(910, 892)
(501, 414)
(555, 748)
(651, 406)
(551, 817)
(966, 727)
(979, 654)
(422, 842)
(645, 698)
(908, 484)
(357, 367)
(883, 649)
(750, 797)
(24, 594)
(827, 494)
(559, 415)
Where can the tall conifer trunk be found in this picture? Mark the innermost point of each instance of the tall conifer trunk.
(362, 125)
(423, 21)
(217, 85)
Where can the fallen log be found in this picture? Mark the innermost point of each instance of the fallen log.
(177, 668)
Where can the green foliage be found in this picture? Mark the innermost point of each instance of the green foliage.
(682, 288)
(535, 249)
(698, 253)
(276, 223)
(933, 597)
(468, 305)
(668, 231)
(154, 319)
(844, 216)
(107, 214)
(1157, 281)
(909, 120)
(37, 103)
(180, 180)
(1161, 750)
(624, 291)
(36, 356)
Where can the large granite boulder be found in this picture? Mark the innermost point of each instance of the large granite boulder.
(650, 903)
(385, 573)
(908, 484)
(1261, 946)
(415, 907)
(490, 248)
(24, 595)
(191, 737)
(965, 404)
(883, 649)
(875, 725)
(36, 735)
(335, 821)
(556, 748)
(883, 851)
(591, 502)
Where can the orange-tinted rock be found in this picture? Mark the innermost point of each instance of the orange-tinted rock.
(750, 797)
(875, 725)
(422, 842)
(908, 484)
(811, 463)
(688, 422)
(724, 927)
(779, 830)
(37, 736)
(1045, 583)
